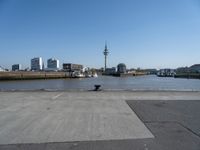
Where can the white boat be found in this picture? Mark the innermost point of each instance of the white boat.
(78, 75)
(94, 75)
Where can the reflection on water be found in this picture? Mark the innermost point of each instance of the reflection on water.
(126, 83)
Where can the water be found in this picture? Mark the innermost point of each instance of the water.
(150, 82)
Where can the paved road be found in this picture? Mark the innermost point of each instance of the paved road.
(100, 120)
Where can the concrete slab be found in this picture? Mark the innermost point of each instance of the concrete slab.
(175, 124)
(183, 112)
(168, 136)
(42, 117)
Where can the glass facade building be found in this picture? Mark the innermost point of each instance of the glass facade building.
(36, 64)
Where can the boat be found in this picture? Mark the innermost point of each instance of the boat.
(78, 75)
(94, 75)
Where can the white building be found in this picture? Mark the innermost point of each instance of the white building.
(53, 63)
(2, 69)
(36, 64)
(166, 72)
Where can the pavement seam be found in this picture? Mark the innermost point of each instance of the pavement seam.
(56, 96)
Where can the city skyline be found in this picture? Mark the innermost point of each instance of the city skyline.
(139, 33)
(53, 64)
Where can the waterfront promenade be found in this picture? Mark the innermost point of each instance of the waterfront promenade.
(99, 120)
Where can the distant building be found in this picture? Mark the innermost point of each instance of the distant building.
(121, 68)
(110, 71)
(166, 73)
(36, 64)
(53, 63)
(16, 67)
(151, 71)
(27, 69)
(195, 68)
(182, 70)
(72, 67)
(2, 69)
(43, 66)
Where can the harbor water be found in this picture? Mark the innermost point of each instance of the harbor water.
(143, 83)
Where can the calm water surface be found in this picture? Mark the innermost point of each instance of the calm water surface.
(150, 82)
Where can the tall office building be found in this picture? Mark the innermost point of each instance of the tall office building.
(36, 64)
(53, 63)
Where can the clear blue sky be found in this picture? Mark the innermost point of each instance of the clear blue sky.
(139, 33)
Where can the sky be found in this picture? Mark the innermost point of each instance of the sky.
(140, 33)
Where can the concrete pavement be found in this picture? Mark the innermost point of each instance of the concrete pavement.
(99, 120)
(42, 117)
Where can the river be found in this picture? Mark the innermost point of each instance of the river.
(144, 83)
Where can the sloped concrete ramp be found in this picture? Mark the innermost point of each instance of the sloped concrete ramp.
(57, 117)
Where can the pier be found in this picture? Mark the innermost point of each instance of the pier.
(26, 75)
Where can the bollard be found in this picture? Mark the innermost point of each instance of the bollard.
(97, 87)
